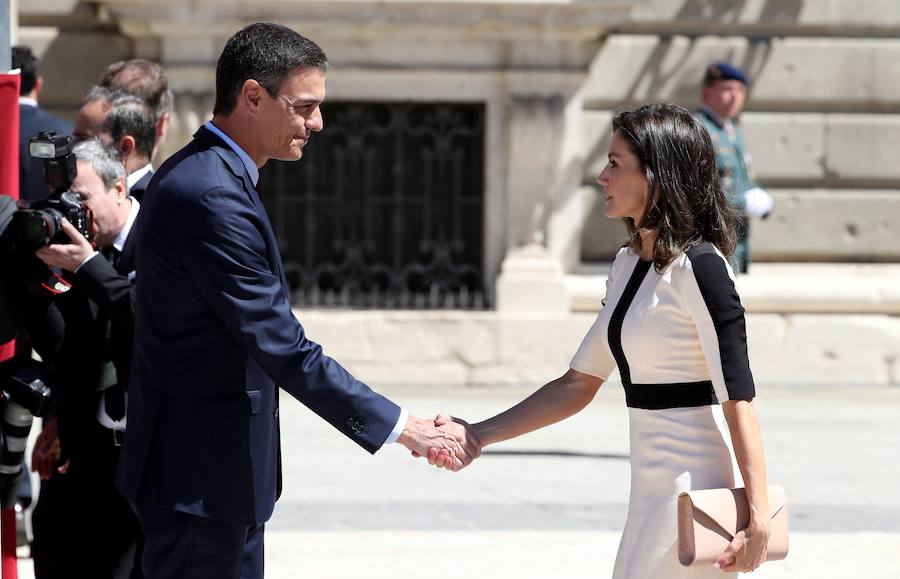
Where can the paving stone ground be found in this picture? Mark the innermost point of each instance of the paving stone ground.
(552, 504)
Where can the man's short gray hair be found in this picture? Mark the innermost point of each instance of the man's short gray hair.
(104, 160)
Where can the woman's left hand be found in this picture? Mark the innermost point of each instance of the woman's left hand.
(746, 552)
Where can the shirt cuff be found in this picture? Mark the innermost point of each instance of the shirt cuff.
(398, 428)
(87, 259)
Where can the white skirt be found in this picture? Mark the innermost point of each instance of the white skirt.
(672, 451)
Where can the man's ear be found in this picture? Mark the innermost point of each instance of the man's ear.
(38, 85)
(126, 148)
(251, 95)
(162, 126)
(121, 189)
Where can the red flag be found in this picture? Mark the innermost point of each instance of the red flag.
(9, 155)
(9, 134)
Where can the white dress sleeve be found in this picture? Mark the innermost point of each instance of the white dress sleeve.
(594, 356)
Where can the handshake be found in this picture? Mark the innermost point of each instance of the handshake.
(446, 442)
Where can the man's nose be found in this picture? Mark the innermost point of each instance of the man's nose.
(316, 122)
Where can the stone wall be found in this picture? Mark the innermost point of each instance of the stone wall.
(472, 348)
(822, 120)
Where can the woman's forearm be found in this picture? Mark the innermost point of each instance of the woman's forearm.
(748, 450)
(555, 401)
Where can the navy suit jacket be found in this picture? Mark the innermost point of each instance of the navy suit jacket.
(215, 337)
(138, 189)
(33, 120)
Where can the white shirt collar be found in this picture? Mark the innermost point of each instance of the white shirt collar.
(119, 243)
(27, 101)
(136, 176)
(252, 169)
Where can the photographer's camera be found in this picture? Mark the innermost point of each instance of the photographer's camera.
(41, 224)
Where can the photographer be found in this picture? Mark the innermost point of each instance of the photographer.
(83, 527)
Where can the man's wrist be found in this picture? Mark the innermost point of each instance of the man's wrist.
(398, 427)
(85, 260)
(407, 435)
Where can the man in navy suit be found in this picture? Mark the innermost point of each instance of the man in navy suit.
(215, 335)
(32, 120)
(127, 123)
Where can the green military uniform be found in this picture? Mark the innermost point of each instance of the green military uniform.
(737, 176)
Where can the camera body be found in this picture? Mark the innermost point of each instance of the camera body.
(24, 385)
(41, 225)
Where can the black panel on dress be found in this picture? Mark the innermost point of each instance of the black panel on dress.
(727, 314)
(614, 334)
(676, 395)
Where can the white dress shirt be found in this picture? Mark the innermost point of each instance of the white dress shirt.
(133, 178)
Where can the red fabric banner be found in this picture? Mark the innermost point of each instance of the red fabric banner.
(9, 134)
(9, 155)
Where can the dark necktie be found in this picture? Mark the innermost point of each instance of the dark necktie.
(114, 402)
(111, 254)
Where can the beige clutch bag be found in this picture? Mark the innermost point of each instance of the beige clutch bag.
(709, 519)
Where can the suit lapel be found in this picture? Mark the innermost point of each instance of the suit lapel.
(139, 188)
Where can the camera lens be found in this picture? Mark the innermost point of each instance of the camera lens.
(35, 230)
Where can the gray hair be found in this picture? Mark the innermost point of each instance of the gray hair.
(127, 114)
(104, 93)
(143, 78)
(104, 160)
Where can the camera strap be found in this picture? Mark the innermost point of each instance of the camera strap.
(54, 285)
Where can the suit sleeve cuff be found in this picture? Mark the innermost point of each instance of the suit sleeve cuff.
(87, 259)
(398, 428)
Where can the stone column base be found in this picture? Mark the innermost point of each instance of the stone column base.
(532, 281)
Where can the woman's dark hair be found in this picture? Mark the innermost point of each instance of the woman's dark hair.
(266, 52)
(685, 201)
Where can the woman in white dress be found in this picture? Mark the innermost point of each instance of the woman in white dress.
(673, 324)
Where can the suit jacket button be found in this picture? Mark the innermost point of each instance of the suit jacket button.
(356, 425)
(276, 414)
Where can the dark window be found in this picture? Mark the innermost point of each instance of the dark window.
(385, 210)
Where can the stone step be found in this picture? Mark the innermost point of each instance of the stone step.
(781, 288)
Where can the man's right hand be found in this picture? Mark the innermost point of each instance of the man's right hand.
(47, 451)
(67, 256)
(457, 445)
